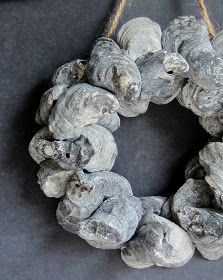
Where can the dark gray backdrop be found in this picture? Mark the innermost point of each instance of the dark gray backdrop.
(35, 38)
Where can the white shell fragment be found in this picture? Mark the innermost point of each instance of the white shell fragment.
(94, 150)
(81, 105)
(53, 179)
(191, 207)
(139, 36)
(86, 192)
(111, 68)
(161, 75)
(211, 158)
(113, 223)
(70, 73)
(189, 37)
(158, 242)
(47, 103)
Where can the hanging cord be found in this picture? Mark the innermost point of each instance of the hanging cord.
(207, 20)
(114, 18)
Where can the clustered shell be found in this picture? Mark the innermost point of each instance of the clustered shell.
(76, 150)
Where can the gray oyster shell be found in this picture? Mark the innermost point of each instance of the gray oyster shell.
(85, 193)
(152, 204)
(194, 169)
(81, 105)
(158, 242)
(189, 37)
(201, 102)
(161, 76)
(70, 73)
(111, 68)
(47, 103)
(217, 43)
(139, 36)
(134, 109)
(191, 207)
(94, 150)
(212, 124)
(211, 158)
(53, 179)
(111, 122)
(113, 223)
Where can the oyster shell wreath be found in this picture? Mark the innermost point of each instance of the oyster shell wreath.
(76, 149)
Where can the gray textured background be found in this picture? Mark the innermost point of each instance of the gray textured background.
(36, 37)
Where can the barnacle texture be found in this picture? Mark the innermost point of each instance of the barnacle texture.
(192, 209)
(70, 73)
(139, 36)
(113, 223)
(158, 242)
(94, 149)
(81, 105)
(53, 179)
(161, 76)
(211, 159)
(111, 68)
(189, 37)
(85, 193)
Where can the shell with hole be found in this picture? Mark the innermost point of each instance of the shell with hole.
(161, 75)
(94, 149)
(189, 37)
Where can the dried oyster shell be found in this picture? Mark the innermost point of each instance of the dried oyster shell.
(160, 73)
(211, 158)
(94, 150)
(85, 193)
(111, 68)
(201, 102)
(194, 169)
(212, 124)
(47, 102)
(191, 207)
(53, 179)
(189, 37)
(217, 43)
(70, 73)
(158, 242)
(152, 204)
(111, 122)
(82, 104)
(113, 223)
(134, 109)
(139, 36)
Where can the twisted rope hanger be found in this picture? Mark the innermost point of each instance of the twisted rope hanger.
(119, 7)
(114, 18)
(206, 18)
